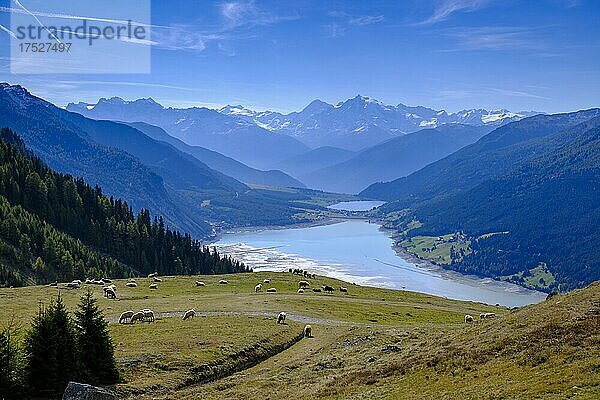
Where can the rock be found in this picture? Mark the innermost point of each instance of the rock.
(81, 391)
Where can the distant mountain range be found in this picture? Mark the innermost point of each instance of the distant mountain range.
(353, 124)
(316, 145)
(233, 137)
(362, 122)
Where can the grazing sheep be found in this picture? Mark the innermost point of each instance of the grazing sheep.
(303, 284)
(308, 331)
(73, 285)
(223, 282)
(305, 274)
(487, 315)
(469, 318)
(343, 289)
(290, 270)
(148, 315)
(271, 290)
(189, 314)
(110, 293)
(198, 283)
(267, 281)
(131, 284)
(138, 316)
(153, 286)
(281, 318)
(152, 275)
(125, 316)
(258, 288)
(300, 290)
(106, 280)
(157, 279)
(328, 289)
(317, 290)
(77, 281)
(55, 283)
(131, 280)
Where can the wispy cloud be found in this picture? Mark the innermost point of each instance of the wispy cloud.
(366, 20)
(344, 20)
(517, 93)
(446, 8)
(335, 30)
(246, 13)
(494, 38)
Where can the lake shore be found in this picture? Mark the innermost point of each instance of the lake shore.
(381, 264)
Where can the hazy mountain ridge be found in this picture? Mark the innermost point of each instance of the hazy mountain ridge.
(394, 158)
(352, 124)
(199, 126)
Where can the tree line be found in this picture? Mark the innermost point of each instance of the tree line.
(56, 227)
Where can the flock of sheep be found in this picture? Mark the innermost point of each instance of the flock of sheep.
(470, 318)
(147, 315)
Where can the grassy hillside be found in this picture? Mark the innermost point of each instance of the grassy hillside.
(369, 343)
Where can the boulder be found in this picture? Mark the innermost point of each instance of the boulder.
(81, 391)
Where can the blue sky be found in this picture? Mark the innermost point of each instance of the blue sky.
(446, 54)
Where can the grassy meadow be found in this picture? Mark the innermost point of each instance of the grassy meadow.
(368, 343)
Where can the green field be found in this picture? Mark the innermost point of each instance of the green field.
(436, 249)
(369, 343)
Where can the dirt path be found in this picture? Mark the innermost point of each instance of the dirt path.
(291, 317)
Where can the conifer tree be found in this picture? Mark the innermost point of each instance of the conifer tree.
(50, 351)
(96, 350)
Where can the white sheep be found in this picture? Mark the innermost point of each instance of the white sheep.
(110, 293)
(281, 318)
(125, 316)
(308, 331)
(300, 290)
(271, 290)
(469, 318)
(343, 289)
(223, 282)
(198, 283)
(189, 314)
(487, 315)
(303, 284)
(131, 284)
(153, 286)
(258, 288)
(267, 281)
(156, 279)
(152, 275)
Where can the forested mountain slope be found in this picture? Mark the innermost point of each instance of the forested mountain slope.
(56, 227)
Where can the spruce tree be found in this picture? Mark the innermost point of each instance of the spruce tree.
(96, 350)
(51, 352)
